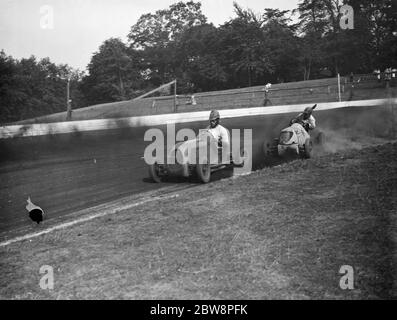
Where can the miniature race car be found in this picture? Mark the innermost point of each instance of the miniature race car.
(294, 141)
(201, 156)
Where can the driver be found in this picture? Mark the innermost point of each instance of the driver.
(219, 132)
(306, 119)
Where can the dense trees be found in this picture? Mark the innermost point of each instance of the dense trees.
(114, 73)
(256, 48)
(30, 88)
(371, 44)
(179, 43)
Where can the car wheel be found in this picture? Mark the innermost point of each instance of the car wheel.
(274, 148)
(154, 172)
(203, 171)
(308, 148)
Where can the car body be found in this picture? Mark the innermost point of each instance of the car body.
(293, 141)
(200, 156)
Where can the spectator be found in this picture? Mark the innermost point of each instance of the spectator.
(193, 101)
(388, 74)
(388, 77)
(266, 89)
(377, 73)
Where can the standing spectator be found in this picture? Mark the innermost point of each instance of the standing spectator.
(266, 89)
(393, 73)
(351, 77)
(377, 73)
(388, 74)
(351, 86)
(193, 101)
(387, 77)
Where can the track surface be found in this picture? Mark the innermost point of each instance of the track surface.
(69, 172)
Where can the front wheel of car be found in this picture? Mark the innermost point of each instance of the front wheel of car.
(203, 171)
(274, 147)
(154, 172)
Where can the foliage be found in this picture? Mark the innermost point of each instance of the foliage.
(113, 73)
(31, 88)
(178, 43)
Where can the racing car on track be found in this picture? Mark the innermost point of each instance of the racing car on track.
(294, 141)
(200, 156)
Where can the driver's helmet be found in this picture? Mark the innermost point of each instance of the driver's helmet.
(214, 115)
(214, 118)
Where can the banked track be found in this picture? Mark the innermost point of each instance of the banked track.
(68, 173)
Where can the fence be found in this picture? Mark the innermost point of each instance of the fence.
(355, 87)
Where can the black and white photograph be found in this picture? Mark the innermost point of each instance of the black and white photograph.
(198, 154)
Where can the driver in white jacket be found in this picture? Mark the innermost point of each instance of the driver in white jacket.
(219, 132)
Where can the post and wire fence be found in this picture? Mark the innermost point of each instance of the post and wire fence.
(165, 98)
(341, 88)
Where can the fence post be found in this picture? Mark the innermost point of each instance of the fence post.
(351, 92)
(175, 96)
(339, 87)
(390, 102)
(68, 101)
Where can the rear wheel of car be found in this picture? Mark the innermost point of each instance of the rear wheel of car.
(308, 148)
(270, 149)
(274, 147)
(154, 172)
(203, 171)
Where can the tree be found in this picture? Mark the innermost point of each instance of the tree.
(8, 97)
(371, 44)
(200, 60)
(245, 49)
(311, 28)
(283, 45)
(113, 73)
(157, 35)
(164, 26)
(30, 88)
(376, 26)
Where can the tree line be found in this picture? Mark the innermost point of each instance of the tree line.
(179, 43)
